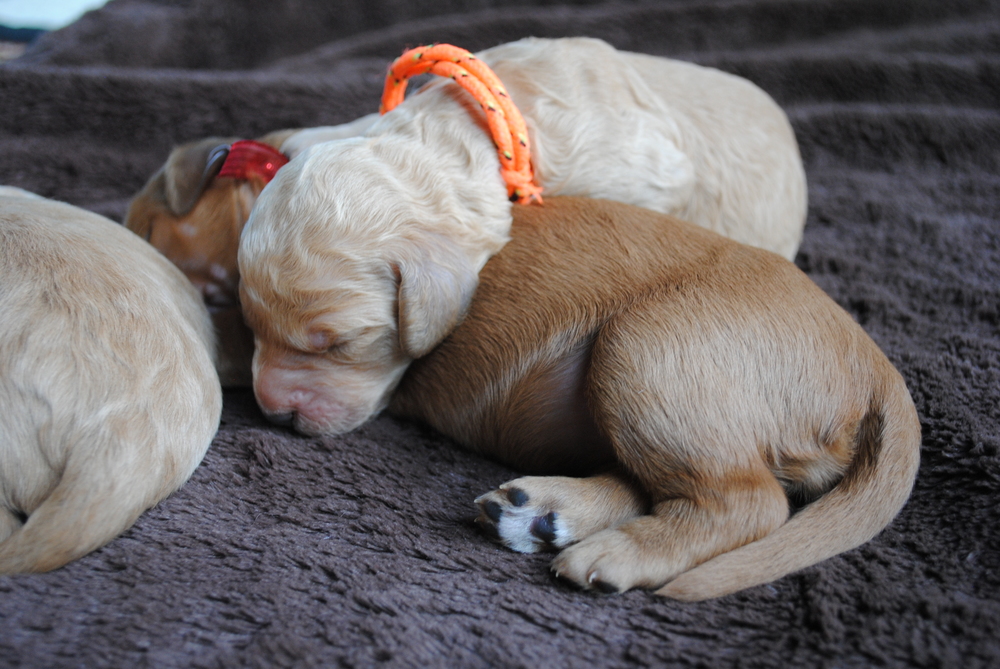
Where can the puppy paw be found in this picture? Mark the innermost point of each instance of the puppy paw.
(610, 562)
(521, 518)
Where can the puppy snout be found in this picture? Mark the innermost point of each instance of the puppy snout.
(274, 399)
(298, 398)
(280, 401)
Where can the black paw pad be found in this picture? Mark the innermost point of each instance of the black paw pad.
(493, 511)
(544, 527)
(517, 496)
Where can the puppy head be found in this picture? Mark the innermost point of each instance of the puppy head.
(194, 217)
(347, 276)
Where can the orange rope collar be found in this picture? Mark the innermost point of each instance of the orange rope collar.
(506, 123)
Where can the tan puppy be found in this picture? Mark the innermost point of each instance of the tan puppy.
(109, 395)
(409, 213)
(701, 383)
(195, 219)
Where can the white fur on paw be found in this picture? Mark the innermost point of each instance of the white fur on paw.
(509, 515)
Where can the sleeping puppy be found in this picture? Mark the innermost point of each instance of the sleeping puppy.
(109, 395)
(194, 217)
(411, 211)
(699, 384)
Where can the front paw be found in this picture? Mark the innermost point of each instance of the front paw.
(520, 520)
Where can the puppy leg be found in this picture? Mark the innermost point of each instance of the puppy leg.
(535, 513)
(716, 516)
(686, 410)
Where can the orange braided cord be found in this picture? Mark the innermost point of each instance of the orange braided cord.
(506, 124)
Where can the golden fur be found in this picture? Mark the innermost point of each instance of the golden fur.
(699, 383)
(363, 252)
(195, 219)
(109, 395)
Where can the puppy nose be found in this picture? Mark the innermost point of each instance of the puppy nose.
(275, 400)
(283, 419)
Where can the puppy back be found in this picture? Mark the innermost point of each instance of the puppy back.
(82, 256)
(571, 264)
(106, 376)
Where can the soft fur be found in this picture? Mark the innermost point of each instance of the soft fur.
(109, 395)
(701, 384)
(363, 253)
(195, 219)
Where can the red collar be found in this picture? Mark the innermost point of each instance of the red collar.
(248, 158)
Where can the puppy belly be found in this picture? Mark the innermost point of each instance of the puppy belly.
(545, 425)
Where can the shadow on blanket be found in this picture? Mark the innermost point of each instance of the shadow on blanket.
(360, 550)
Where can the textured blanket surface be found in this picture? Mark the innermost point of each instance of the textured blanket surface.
(284, 550)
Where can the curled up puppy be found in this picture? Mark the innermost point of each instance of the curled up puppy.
(410, 211)
(109, 393)
(696, 385)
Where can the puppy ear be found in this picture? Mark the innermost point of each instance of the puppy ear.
(436, 284)
(145, 206)
(189, 170)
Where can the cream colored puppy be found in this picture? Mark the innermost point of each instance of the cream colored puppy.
(363, 253)
(109, 394)
(697, 385)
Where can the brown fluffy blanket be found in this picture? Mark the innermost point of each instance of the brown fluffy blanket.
(284, 550)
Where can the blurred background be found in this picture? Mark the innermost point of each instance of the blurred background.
(44, 14)
(21, 21)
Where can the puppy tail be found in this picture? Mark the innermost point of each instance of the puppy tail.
(102, 491)
(874, 489)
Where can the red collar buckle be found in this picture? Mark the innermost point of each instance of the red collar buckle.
(248, 158)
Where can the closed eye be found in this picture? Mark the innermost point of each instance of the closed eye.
(322, 341)
(342, 345)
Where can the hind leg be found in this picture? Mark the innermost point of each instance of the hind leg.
(715, 516)
(536, 513)
(682, 405)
